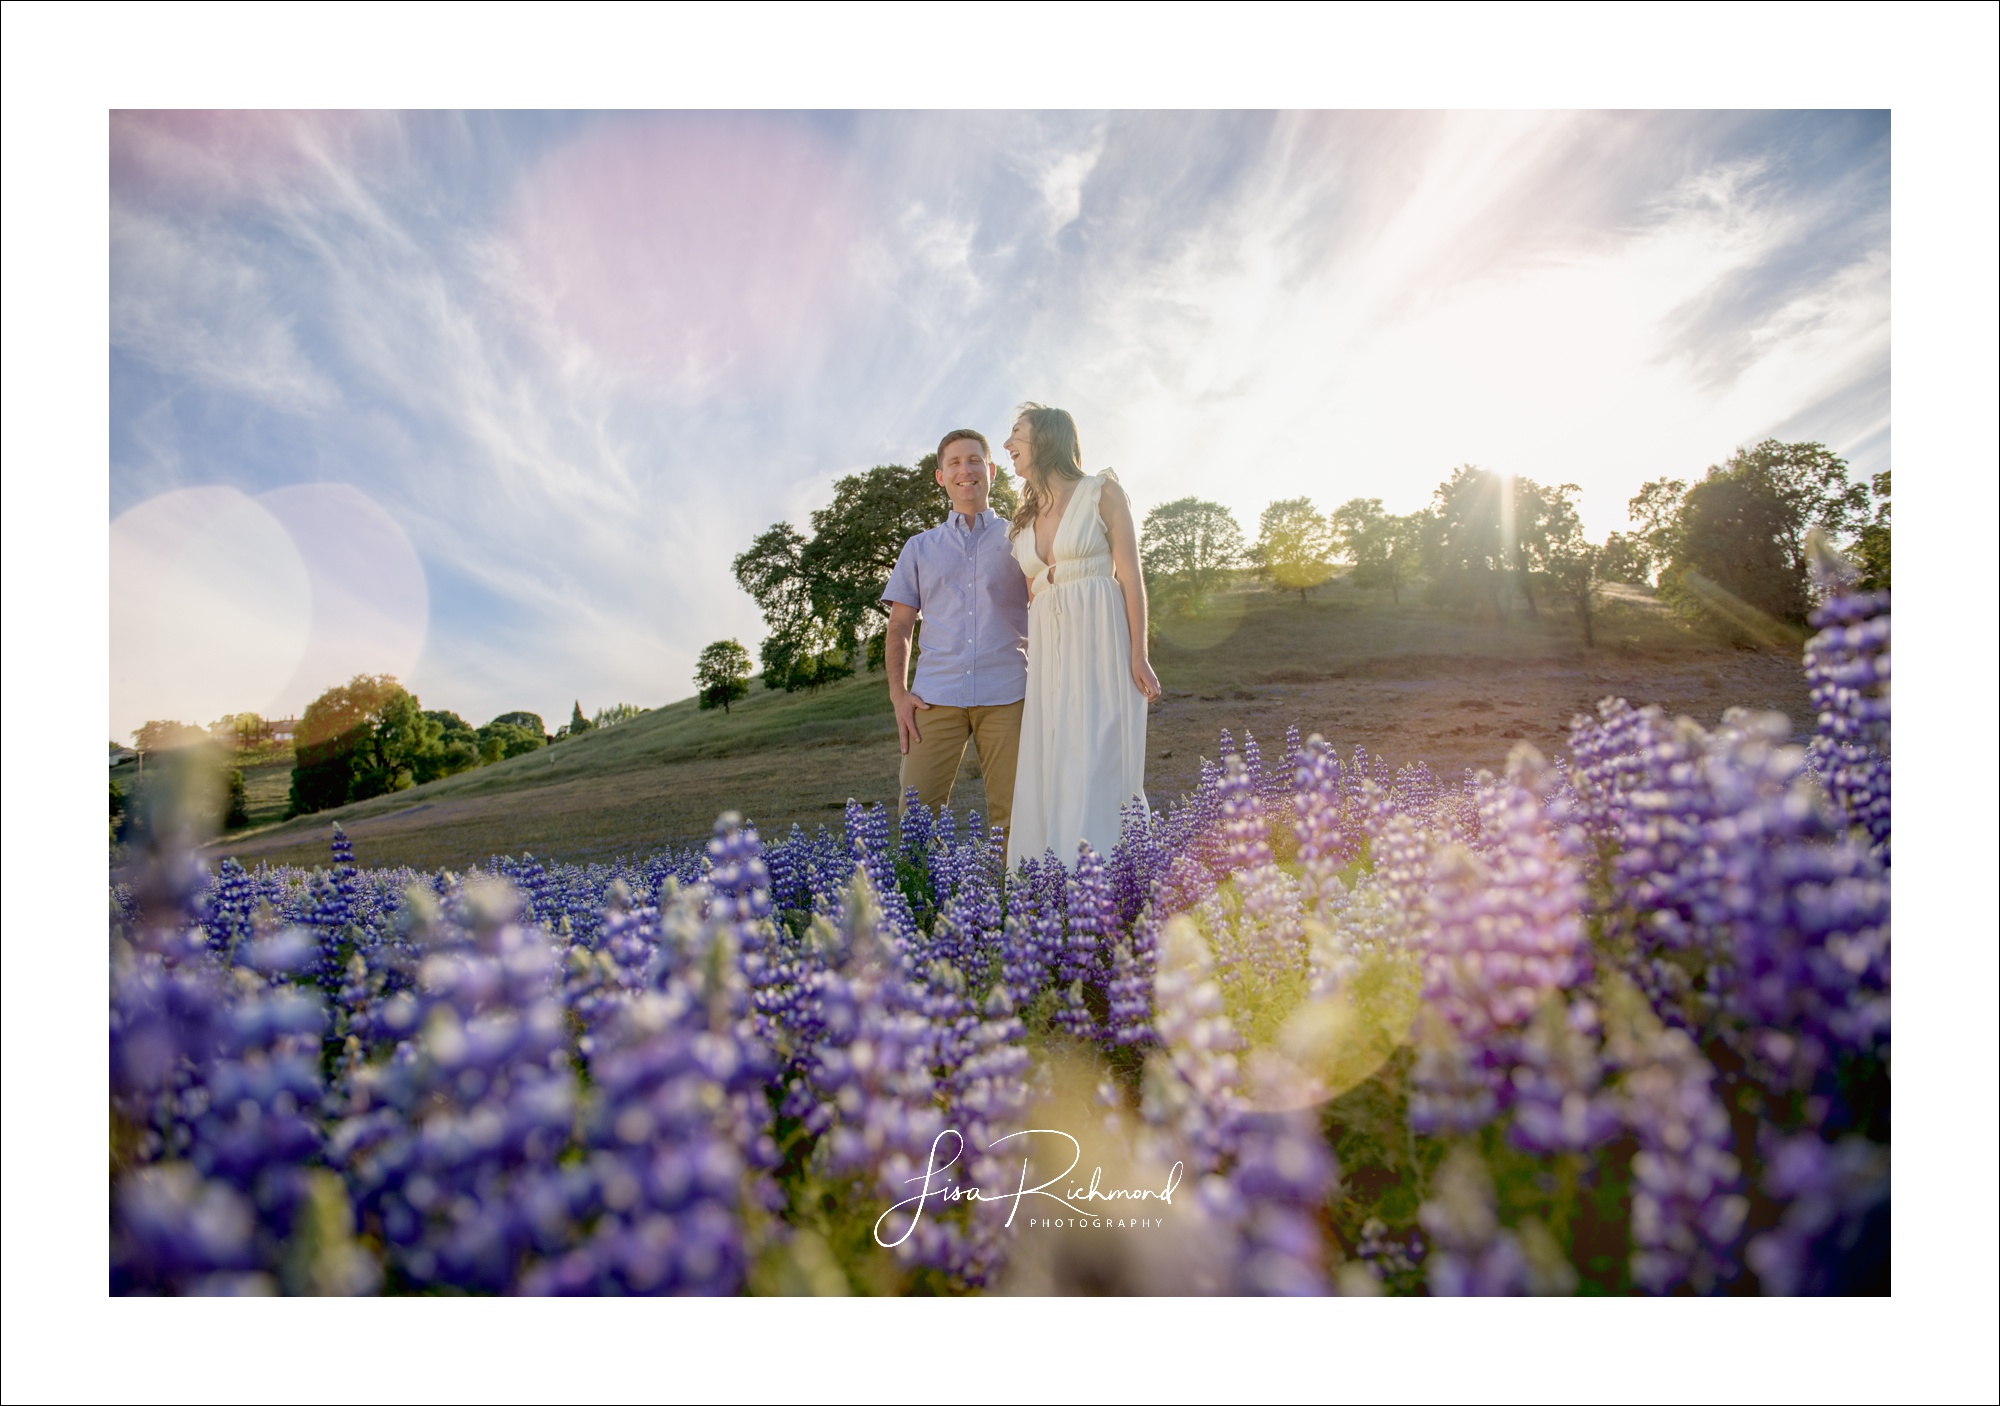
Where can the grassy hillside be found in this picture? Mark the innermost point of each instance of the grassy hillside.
(1410, 682)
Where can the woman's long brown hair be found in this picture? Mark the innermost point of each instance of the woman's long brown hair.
(1053, 453)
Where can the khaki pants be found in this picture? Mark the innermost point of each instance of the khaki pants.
(932, 764)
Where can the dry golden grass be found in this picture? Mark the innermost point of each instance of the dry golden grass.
(1409, 682)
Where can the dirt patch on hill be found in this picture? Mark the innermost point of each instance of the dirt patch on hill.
(1458, 712)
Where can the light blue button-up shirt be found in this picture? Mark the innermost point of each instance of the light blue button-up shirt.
(973, 598)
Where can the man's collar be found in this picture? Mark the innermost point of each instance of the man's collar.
(985, 516)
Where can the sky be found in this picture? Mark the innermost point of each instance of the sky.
(488, 401)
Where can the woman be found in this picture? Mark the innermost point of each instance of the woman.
(1083, 729)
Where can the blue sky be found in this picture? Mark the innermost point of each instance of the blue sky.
(489, 401)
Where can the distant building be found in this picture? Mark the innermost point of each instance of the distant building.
(281, 729)
(121, 755)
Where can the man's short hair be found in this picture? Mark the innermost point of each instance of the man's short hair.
(945, 443)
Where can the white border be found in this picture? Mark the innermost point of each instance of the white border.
(66, 65)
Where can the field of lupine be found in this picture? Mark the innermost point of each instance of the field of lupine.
(1617, 1025)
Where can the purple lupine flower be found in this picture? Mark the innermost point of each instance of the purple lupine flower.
(1505, 928)
(1734, 866)
(1687, 1214)
(1456, 1085)
(868, 835)
(1190, 1095)
(228, 912)
(790, 866)
(1129, 994)
(1093, 919)
(1022, 971)
(1471, 1255)
(1253, 762)
(1834, 1235)
(917, 828)
(1284, 1174)
(1246, 841)
(1135, 862)
(986, 1098)
(444, 1142)
(968, 930)
(1325, 843)
(1847, 665)
(676, 1132)
(1558, 1100)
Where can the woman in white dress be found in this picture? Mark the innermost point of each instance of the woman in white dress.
(1083, 729)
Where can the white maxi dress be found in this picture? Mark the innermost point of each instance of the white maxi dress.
(1083, 726)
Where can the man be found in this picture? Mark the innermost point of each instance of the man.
(961, 579)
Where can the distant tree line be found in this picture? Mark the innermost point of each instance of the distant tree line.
(371, 736)
(1730, 548)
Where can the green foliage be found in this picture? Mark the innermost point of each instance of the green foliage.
(1732, 547)
(578, 723)
(1656, 509)
(1626, 559)
(1383, 549)
(804, 648)
(1572, 565)
(722, 674)
(1731, 555)
(159, 736)
(531, 722)
(236, 813)
(501, 739)
(1871, 543)
(1295, 546)
(368, 737)
(458, 746)
(1485, 538)
(117, 809)
(1190, 548)
(615, 714)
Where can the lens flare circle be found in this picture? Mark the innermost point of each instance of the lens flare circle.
(211, 608)
(370, 596)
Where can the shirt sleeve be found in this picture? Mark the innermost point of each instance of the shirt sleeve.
(902, 587)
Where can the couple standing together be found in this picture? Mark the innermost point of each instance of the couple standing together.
(1034, 643)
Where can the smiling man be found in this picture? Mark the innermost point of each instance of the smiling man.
(960, 578)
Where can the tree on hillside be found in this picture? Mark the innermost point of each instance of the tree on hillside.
(1811, 483)
(803, 649)
(1656, 513)
(578, 723)
(1295, 546)
(1733, 545)
(1572, 564)
(156, 735)
(236, 810)
(1486, 536)
(722, 674)
(458, 745)
(354, 741)
(615, 714)
(1624, 558)
(1382, 548)
(1189, 548)
(1871, 543)
(511, 735)
(1731, 562)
